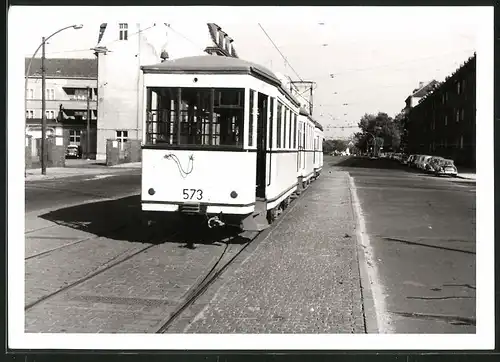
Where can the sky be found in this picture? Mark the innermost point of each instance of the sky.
(377, 56)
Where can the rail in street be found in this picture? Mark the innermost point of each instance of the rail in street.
(94, 267)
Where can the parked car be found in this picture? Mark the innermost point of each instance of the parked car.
(411, 160)
(432, 163)
(421, 161)
(424, 162)
(73, 151)
(446, 167)
(404, 159)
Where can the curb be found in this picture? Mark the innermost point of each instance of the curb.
(466, 178)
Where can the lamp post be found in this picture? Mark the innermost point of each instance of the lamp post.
(44, 118)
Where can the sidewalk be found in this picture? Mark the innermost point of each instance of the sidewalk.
(62, 172)
(469, 174)
(302, 278)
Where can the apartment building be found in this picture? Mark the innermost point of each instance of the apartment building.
(443, 123)
(70, 96)
(122, 48)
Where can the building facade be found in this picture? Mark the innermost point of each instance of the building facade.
(122, 48)
(443, 123)
(70, 95)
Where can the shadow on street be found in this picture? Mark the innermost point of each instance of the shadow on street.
(123, 219)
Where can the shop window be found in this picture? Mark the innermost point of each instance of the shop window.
(123, 31)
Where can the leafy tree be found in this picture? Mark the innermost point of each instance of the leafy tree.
(334, 145)
(378, 130)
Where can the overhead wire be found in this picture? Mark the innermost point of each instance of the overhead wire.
(279, 51)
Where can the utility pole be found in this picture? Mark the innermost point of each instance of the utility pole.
(44, 118)
(88, 123)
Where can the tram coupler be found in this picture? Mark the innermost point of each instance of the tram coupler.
(214, 221)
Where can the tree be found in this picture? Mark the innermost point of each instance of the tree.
(334, 145)
(379, 131)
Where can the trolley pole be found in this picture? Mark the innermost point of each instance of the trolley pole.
(88, 124)
(44, 118)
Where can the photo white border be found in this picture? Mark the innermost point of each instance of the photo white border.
(485, 328)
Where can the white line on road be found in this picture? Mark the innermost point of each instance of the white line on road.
(369, 265)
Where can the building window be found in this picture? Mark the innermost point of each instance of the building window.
(49, 93)
(122, 136)
(457, 115)
(458, 87)
(446, 120)
(443, 98)
(462, 142)
(49, 114)
(74, 136)
(123, 31)
(29, 114)
(462, 114)
(30, 93)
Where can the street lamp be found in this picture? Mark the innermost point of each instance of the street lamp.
(44, 118)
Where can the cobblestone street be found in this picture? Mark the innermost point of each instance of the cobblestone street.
(303, 278)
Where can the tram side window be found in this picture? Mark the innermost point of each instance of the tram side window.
(294, 131)
(194, 116)
(291, 130)
(251, 117)
(285, 127)
(271, 122)
(279, 130)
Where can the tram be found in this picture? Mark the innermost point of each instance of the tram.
(223, 138)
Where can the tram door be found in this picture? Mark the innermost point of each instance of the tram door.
(261, 145)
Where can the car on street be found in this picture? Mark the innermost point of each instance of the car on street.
(445, 167)
(73, 151)
(432, 163)
(411, 160)
(404, 159)
(424, 161)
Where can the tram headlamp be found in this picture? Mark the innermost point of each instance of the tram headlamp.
(234, 194)
(151, 191)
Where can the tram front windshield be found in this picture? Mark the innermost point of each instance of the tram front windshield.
(195, 116)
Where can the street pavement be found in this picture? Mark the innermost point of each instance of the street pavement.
(78, 186)
(422, 230)
(99, 268)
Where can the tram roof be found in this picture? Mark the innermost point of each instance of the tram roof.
(304, 112)
(210, 64)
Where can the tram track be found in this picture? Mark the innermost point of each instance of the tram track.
(89, 238)
(229, 254)
(100, 270)
(215, 273)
